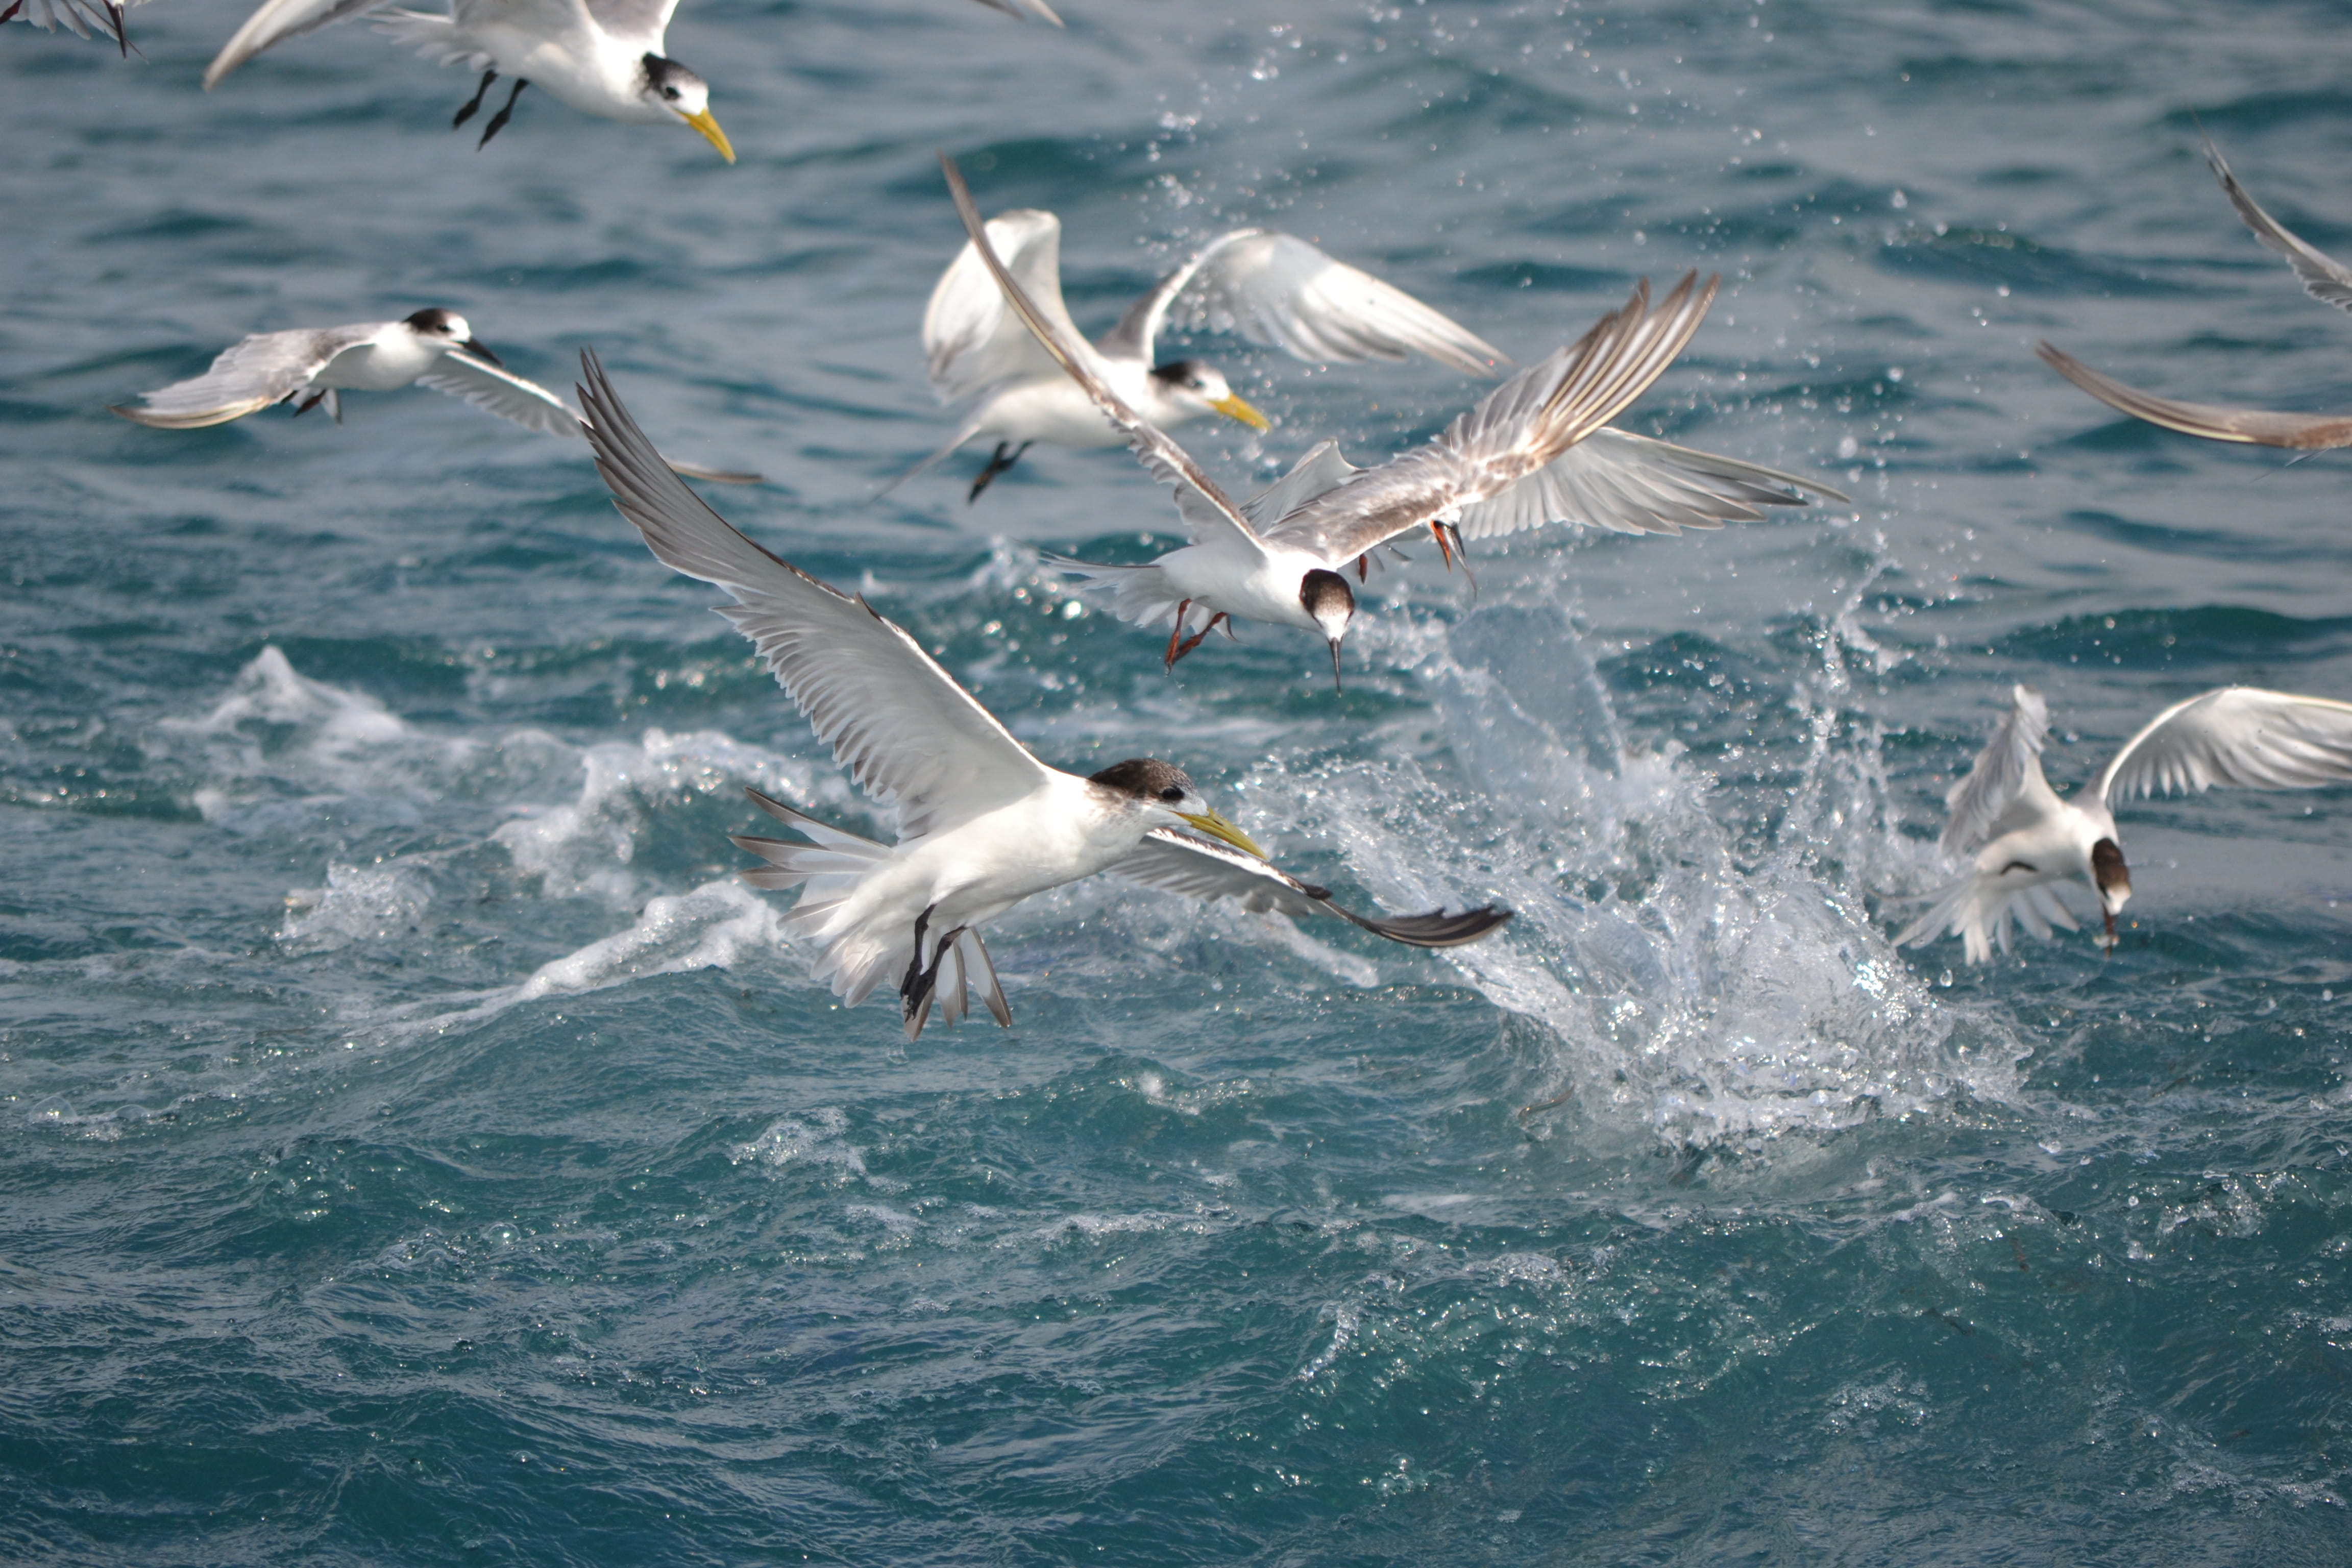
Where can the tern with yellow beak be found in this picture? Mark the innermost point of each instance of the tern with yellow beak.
(1276, 289)
(602, 56)
(1534, 450)
(982, 825)
(2023, 840)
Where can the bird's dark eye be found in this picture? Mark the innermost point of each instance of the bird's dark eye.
(1171, 793)
(669, 92)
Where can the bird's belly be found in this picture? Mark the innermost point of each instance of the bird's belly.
(1252, 590)
(372, 369)
(601, 82)
(976, 871)
(1054, 412)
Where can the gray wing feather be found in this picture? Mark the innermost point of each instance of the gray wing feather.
(910, 736)
(80, 18)
(2324, 278)
(1207, 510)
(1024, 10)
(973, 339)
(2006, 768)
(247, 376)
(1280, 291)
(1522, 426)
(502, 393)
(1198, 869)
(1632, 484)
(1320, 471)
(635, 20)
(2251, 427)
(2237, 735)
(276, 21)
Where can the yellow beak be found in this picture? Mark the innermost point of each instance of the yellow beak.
(1217, 827)
(711, 134)
(1234, 408)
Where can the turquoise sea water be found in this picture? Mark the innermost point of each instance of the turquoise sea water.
(416, 1148)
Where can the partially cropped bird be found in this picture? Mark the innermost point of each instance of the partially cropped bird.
(1274, 287)
(982, 822)
(83, 18)
(2023, 840)
(2324, 279)
(601, 57)
(311, 367)
(1534, 450)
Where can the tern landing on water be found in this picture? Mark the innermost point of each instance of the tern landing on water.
(601, 57)
(2026, 840)
(1276, 289)
(2324, 279)
(1534, 450)
(982, 825)
(312, 366)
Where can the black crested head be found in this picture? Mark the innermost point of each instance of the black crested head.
(1188, 373)
(434, 319)
(1327, 599)
(669, 79)
(2107, 868)
(1145, 779)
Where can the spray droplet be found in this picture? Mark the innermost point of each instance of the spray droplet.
(1946, 980)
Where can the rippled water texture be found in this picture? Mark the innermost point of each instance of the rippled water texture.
(416, 1147)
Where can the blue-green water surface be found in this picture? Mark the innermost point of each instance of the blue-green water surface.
(416, 1147)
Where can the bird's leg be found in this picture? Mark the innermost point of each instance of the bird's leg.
(1461, 553)
(1363, 566)
(996, 465)
(1437, 531)
(10, 13)
(914, 965)
(1189, 644)
(308, 404)
(499, 120)
(474, 103)
(919, 997)
(2107, 943)
(1176, 635)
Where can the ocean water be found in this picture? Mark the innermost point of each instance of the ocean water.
(416, 1147)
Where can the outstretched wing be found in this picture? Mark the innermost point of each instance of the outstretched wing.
(276, 21)
(1320, 471)
(1181, 863)
(2010, 766)
(1024, 10)
(2253, 426)
(1522, 426)
(2323, 277)
(2238, 735)
(1278, 291)
(633, 21)
(1632, 484)
(251, 374)
(910, 736)
(502, 393)
(80, 17)
(1211, 516)
(971, 339)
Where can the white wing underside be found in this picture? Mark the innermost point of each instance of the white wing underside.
(276, 21)
(909, 734)
(501, 392)
(1280, 291)
(247, 376)
(2237, 735)
(2007, 775)
(1978, 908)
(973, 341)
(2324, 278)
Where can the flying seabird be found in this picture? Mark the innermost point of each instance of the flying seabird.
(2324, 279)
(1275, 289)
(982, 822)
(1534, 450)
(2026, 840)
(312, 366)
(601, 57)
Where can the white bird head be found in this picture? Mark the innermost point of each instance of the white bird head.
(1161, 790)
(446, 327)
(1330, 604)
(1196, 384)
(674, 92)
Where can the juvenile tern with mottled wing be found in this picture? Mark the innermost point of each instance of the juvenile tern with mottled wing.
(313, 366)
(2023, 840)
(1274, 287)
(982, 824)
(1533, 450)
(602, 56)
(2324, 279)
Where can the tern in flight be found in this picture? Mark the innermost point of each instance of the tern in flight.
(2024, 840)
(981, 824)
(1535, 450)
(2324, 279)
(1276, 289)
(312, 366)
(601, 57)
